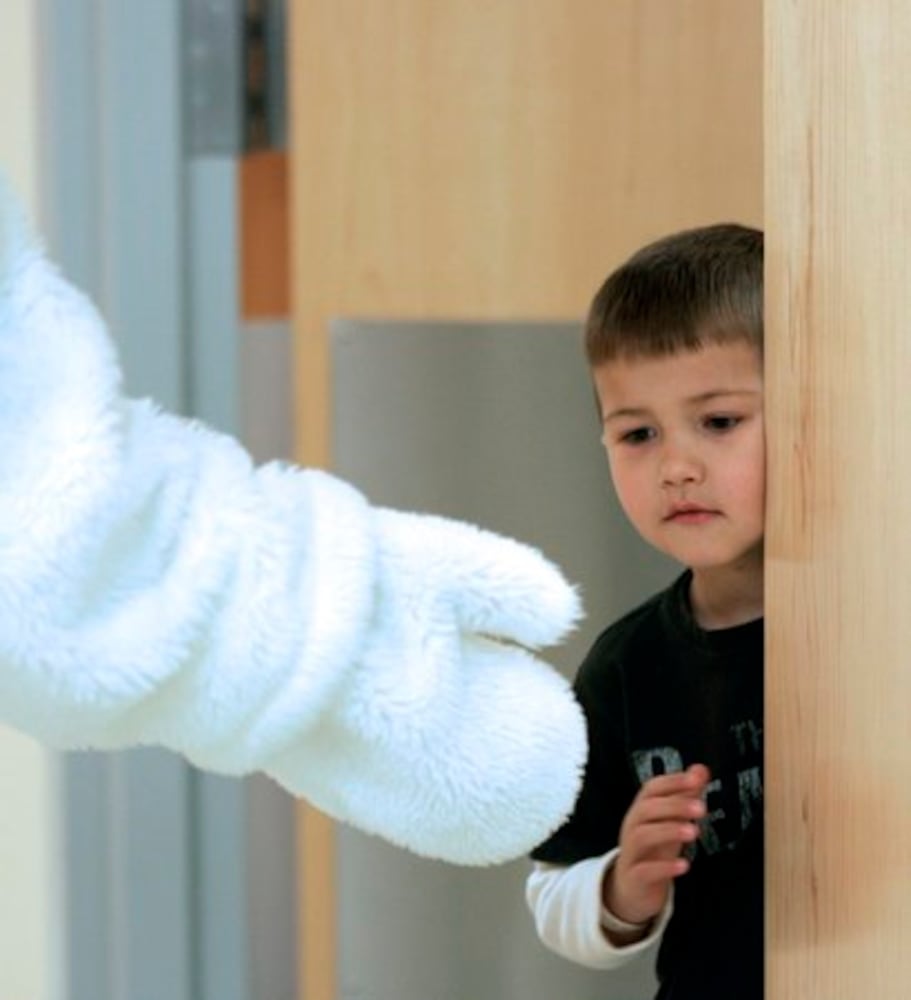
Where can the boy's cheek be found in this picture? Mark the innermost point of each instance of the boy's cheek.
(634, 506)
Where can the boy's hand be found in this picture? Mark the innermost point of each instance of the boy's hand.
(663, 819)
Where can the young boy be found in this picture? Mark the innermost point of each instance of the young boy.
(666, 840)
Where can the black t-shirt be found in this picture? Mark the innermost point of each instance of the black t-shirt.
(660, 694)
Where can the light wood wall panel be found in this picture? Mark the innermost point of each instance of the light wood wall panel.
(838, 219)
(456, 159)
(464, 160)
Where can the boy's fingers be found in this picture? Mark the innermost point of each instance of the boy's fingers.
(680, 807)
(692, 781)
(699, 775)
(652, 873)
(652, 838)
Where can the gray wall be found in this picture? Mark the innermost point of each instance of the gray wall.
(494, 423)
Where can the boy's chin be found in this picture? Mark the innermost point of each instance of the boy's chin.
(709, 559)
(737, 562)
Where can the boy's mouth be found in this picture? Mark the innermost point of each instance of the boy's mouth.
(690, 514)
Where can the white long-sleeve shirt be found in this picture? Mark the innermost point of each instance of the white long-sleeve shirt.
(566, 903)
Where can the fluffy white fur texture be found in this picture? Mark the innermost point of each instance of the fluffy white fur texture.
(156, 588)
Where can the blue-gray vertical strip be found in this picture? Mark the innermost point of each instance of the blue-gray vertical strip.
(213, 82)
(151, 927)
(86, 870)
(277, 70)
(112, 190)
(271, 891)
(220, 843)
(266, 422)
(152, 810)
(142, 199)
(70, 198)
(69, 138)
(266, 390)
(220, 851)
(213, 253)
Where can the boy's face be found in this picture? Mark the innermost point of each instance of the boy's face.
(685, 441)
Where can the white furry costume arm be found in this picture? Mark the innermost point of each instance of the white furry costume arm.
(155, 588)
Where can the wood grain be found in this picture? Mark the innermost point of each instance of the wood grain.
(838, 780)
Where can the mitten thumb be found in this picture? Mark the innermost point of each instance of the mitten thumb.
(492, 585)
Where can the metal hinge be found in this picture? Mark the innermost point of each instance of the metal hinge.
(234, 76)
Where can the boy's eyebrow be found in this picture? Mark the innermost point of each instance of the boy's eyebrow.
(626, 411)
(703, 397)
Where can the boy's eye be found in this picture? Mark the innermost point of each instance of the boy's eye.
(720, 424)
(638, 435)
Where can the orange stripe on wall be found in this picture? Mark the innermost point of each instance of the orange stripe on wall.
(263, 200)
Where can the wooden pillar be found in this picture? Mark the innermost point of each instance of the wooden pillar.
(838, 222)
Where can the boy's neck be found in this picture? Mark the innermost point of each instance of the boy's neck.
(728, 596)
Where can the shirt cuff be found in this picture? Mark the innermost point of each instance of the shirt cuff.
(652, 929)
(610, 922)
(566, 901)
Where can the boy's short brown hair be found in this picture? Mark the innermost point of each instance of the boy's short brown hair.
(695, 287)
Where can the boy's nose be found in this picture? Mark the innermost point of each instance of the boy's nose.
(679, 468)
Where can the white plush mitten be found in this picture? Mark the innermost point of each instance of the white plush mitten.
(447, 737)
(157, 589)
